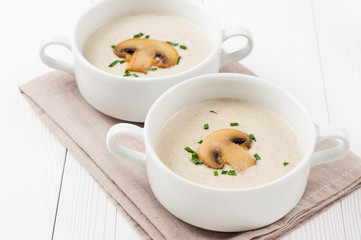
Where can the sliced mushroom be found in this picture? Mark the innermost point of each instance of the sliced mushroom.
(227, 146)
(142, 54)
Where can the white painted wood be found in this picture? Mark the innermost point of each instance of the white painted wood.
(339, 34)
(84, 212)
(311, 48)
(351, 209)
(31, 158)
(325, 227)
(31, 169)
(285, 49)
(124, 229)
(111, 218)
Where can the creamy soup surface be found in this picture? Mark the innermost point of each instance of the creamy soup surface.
(159, 26)
(276, 142)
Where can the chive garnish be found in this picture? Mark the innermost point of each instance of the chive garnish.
(196, 161)
(213, 112)
(127, 74)
(115, 62)
(135, 75)
(257, 157)
(215, 173)
(153, 69)
(138, 35)
(179, 58)
(112, 46)
(147, 36)
(225, 172)
(194, 158)
(252, 137)
(183, 47)
(206, 126)
(234, 124)
(285, 163)
(172, 43)
(188, 149)
(200, 141)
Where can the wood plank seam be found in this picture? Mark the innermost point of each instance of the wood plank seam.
(320, 60)
(61, 184)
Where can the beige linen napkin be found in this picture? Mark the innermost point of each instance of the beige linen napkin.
(82, 129)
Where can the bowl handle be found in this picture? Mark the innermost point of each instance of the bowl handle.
(125, 129)
(52, 62)
(241, 53)
(333, 153)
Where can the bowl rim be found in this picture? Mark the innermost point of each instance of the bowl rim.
(306, 158)
(111, 78)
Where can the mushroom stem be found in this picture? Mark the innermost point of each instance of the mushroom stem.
(141, 61)
(239, 159)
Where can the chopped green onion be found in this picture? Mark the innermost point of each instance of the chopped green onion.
(172, 43)
(215, 173)
(183, 47)
(200, 141)
(138, 35)
(112, 46)
(232, 172)
(135, 75)
(188, 149)
(205, 126)
(179, 58)
(257, 157)
(196, 161)
(147, 36)
(234, 124)
(194, 158)
(113, 63)
(213, 112)
(252, 137)
(224, 172)
(285, 163)
(153, 69)
(127, 74)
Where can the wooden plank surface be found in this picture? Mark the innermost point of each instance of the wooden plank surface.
(338, 27)
(311, 48)
(84, 212)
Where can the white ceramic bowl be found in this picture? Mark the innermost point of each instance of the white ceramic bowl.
(213, 208)
(130, 98)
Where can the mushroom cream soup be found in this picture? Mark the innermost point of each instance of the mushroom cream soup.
(166, 44)
(218, 131)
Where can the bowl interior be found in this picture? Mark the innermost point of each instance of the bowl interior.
(106, 10)
(238, 86)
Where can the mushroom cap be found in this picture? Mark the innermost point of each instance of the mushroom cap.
(227, 146)
(142, 54)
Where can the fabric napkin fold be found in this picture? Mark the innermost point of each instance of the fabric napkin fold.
(82, 129)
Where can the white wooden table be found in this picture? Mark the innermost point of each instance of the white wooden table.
(312, 48)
